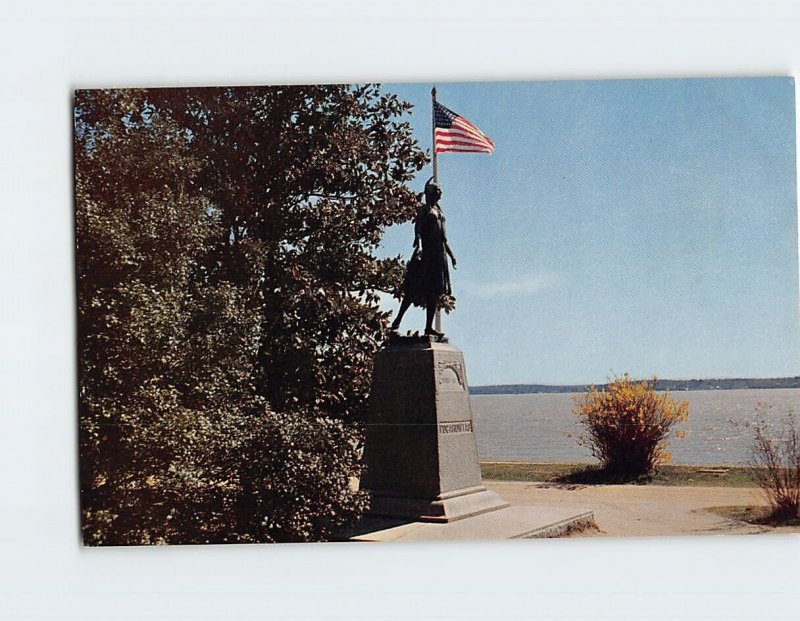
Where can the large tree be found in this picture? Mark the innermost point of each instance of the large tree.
(227, 307)
(305, 180)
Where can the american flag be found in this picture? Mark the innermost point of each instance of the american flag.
(455, 133)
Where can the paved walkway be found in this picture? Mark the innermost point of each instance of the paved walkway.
(643, 510)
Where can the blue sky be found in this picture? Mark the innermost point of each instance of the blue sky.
(647, 226)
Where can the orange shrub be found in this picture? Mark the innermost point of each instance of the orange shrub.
(627, 423)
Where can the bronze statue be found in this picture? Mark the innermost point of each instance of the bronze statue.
(427, 276)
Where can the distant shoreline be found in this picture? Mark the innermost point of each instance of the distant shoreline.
(671, 385)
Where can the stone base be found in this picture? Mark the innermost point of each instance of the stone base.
(395, 338)
(446, 508)
(517, 522)
(420, 448)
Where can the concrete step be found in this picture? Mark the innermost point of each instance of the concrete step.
(516, 522)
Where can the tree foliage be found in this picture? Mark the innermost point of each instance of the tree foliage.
(227, 304)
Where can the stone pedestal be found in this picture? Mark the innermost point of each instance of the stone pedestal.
(421, 455)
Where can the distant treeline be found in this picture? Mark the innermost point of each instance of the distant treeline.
(674, 385)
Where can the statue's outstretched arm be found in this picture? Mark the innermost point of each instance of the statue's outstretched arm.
(447, 246)
(451, 255)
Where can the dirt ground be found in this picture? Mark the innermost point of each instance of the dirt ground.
(642, 510)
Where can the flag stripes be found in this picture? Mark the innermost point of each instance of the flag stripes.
(455, 133)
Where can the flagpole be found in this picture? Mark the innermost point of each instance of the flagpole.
(433, 136)
(438, 318)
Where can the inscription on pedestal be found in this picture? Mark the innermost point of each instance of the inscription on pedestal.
(450, 376)
(464, 426)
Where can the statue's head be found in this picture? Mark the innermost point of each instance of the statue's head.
(432, 192)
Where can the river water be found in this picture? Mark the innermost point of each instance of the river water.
(541, 427)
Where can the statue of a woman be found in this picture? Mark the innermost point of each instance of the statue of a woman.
(427, 277)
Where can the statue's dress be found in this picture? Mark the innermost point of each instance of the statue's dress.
(428, 276)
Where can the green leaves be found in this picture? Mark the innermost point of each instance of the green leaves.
(227, 305)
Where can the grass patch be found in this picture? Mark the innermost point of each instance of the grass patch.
(589, 474)
(754, 514)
